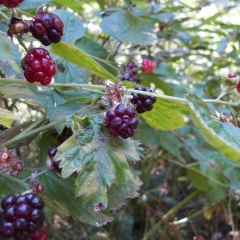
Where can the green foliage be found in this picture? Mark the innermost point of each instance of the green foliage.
(224, 137)
(124, 26)
(187, 145)
(74, 55)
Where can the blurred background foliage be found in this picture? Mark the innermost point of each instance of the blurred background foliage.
(189, 191)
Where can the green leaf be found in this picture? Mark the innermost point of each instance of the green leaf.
(126, 27)
(222, 136)
(60, 193)
(69, 73)
(98, 53)
(98, 158)
(28, 92)
(166, 17)
(74, 5)
(200, 181)
(7, 49)
(78, 57)
(71, 23)
(31, 4)
(165, 115)
(6, 117)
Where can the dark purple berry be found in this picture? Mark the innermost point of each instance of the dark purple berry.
(20, 200)
(23, 211)
(47, 20)
(133, 123)
(110, 114)
(47, 28)
(37, 216)
(37, 202)
(7, 229)
(120, 110)
(131, 67)
(9, 213)
(8, 201)
(20, 224)
(121, 121)
(142, 102)
(52, 152)
(29, 197)
(32, 227)
(116, 122)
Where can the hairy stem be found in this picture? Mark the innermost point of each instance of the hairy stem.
(101, 88)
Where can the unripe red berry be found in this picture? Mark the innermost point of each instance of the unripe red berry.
(39, 67)
(148, 66)
(11, 3)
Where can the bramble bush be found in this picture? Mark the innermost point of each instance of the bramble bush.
(100, 101)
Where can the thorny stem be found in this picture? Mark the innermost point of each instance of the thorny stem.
(174, 210)
(101, 88)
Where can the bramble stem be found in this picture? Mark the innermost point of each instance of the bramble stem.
(31, 133)
(174, 210)
(103, 88)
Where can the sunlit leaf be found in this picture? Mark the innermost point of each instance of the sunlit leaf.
(126, 27)
(78, 57)
(165, 115)
(222, 136)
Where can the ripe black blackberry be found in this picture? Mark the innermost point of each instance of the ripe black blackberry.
(130, 71)
(131, 67)
(21, 216)
(143, 102)
(47, 28)
(121, 121)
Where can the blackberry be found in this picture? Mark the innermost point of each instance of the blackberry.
(39, 67)
(130, 77)
(11, 3)
(121, 121)
(47, 28)
(131, 67)
(21, 216)
(130, 73)
(143, 102)
(52, 152)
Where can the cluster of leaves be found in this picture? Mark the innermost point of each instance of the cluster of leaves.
(187, 50)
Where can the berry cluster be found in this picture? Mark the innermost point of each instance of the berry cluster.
(39, 67)
(143, 102)
(11, 3)
(130, 73)
(22, 216)
(121, 121)
(47, 28)
(148, 66)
